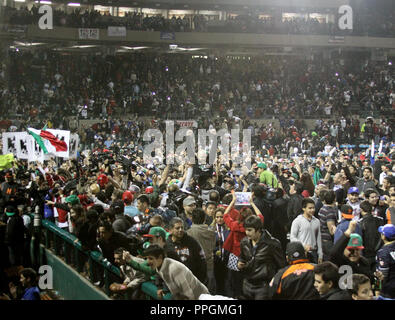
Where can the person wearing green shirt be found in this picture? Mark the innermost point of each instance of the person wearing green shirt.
(156, 235)
(266, 176)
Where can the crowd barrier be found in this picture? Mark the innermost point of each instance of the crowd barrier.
(65, 246)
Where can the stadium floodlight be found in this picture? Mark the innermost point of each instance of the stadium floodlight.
(20, 0)
(73, 4)
(133, 48)
(84, 46)
(28, 44)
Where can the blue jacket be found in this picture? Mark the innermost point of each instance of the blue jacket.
(342, 227)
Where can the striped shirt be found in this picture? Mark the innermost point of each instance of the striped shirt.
(326, 214)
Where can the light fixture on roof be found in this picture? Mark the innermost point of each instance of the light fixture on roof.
(27, 44)
(73, 4)
(19, 0)
(133, 48)
(84, 46)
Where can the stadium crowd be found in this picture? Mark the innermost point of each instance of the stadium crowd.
(45, 83)
(307, 214)
(370, 22)
(311, 204)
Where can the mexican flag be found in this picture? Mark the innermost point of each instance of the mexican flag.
(49, 140)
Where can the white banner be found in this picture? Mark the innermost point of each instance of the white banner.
(88, 34)
(23, 146)
(116, 31)
(9, 142)
(22, 140)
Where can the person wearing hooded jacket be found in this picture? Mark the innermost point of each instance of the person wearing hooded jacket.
(206, 237)
(14, 235)
(295, 281)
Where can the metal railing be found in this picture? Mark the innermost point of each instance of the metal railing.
(66, 246)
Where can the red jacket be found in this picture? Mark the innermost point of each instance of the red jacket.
(62, 214)
(237, 232)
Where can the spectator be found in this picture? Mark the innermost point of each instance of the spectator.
(132, 280)
(347, 217)
(266, 176)
(122, 223)
(306, 229)
(348, 251)
(260, 258)
(353, 201)
(361, 287)
(367, 181)
(221, 256)
(181, 282)
(206, 238)
(295, 281)
(295, 203)
(385, 261)
(188, 249)
(370, 237)
(326, 281)
(15, 235)
(110, 240)
(328, 217)
(373, 197)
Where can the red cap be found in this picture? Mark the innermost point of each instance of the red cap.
(127, 197)
(149, 190)
(102, 180)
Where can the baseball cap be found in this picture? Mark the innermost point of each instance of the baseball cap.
(149, 190)
(118, 206)
(353, 190)
(355, 242)
(188, 201)
(295, 251)
(156, 232)
(388, 231)
(347, 212)
(10, 211)
(134, 189)
(73, 199)
(102, 180)
(127, 196)
(262, 165)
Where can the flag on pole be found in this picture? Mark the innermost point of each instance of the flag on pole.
(47, 141)
(372, 153)
(380, 147)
